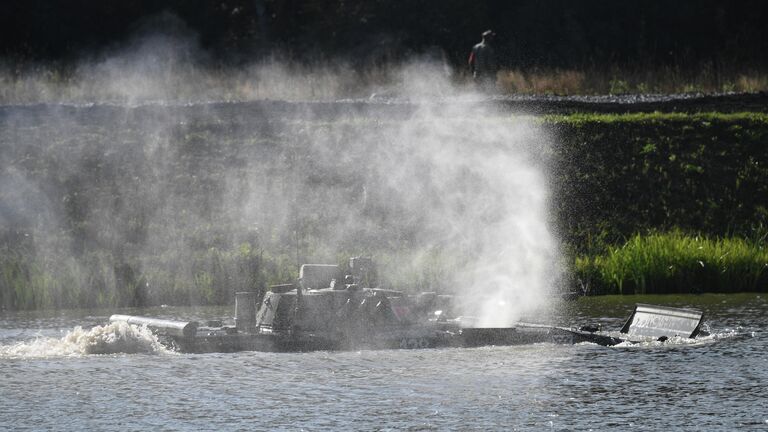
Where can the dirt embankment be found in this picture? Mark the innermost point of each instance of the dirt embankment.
(395, 108)
(685, 103)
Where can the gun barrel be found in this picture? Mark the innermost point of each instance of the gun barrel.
(170, 327)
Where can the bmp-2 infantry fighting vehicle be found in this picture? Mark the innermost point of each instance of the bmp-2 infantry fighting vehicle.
(328, 310)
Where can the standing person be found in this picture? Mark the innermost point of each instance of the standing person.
(482, 62)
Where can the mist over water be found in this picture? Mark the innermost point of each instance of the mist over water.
(141, 194)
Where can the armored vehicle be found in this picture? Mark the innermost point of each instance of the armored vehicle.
(330, 310)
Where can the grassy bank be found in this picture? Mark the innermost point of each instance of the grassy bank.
(619, 176)
(616, 175)
(191, 210)
(675, 263)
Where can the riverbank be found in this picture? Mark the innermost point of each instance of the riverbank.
(163, 217)
(616, 175)
(655, 203)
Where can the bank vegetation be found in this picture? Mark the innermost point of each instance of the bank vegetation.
(643, 203)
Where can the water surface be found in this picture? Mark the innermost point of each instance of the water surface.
(717, 383)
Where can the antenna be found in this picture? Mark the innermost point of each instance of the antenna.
(296, 239)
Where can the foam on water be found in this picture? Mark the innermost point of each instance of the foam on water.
(651, 342)
(111, 338)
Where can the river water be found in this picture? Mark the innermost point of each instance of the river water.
(51, 380)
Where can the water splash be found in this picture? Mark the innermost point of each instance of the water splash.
(676, 341)
(111, 338)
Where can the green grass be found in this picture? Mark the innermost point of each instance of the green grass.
(673, 262)
(615, 175)
(581, 119)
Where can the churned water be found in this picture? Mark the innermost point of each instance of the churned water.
(52, 377)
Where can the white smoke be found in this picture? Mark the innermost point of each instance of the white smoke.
(477, 180)
(453, 191)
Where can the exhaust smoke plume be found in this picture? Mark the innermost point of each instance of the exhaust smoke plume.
(477, 181)
(141, 196)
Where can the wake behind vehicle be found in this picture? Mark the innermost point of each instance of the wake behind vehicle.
(328, 310)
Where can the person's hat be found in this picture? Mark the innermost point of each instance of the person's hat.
(489, 33)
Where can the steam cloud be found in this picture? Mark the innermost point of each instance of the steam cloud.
(136, 166)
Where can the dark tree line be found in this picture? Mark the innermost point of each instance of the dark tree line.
(532, 33)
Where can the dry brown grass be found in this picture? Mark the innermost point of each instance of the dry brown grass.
(537, 82)
(275, 80)
(616, 81)
(752, 83)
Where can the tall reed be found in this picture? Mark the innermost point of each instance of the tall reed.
(664, 263)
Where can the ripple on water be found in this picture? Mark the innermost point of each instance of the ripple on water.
(716, 383)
